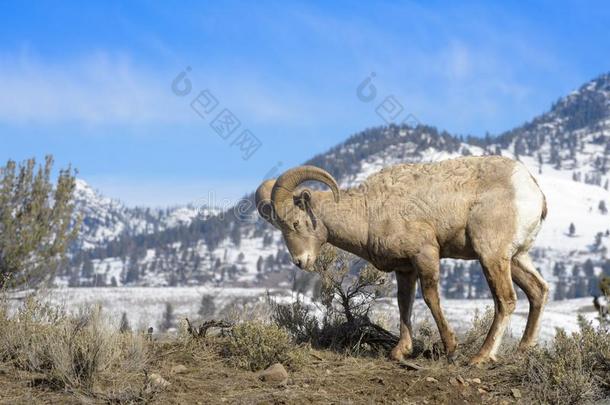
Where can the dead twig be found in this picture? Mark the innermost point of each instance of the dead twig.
(201, 331)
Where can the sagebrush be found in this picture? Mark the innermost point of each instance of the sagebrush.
(70, 352)
(574, 369)
(257, 345)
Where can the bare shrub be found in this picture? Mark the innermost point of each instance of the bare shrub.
(256, 345)
(354, 294)
(574, 369)
(346, 303)
(298, 320)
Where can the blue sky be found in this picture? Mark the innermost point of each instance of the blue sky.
(91, 83)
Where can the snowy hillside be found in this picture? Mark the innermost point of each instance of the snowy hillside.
(567, 149)
(105, 219)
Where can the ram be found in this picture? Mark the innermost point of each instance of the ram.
(407, 217)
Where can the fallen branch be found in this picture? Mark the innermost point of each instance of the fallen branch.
(202, 330)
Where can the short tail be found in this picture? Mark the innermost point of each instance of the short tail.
(544, 208)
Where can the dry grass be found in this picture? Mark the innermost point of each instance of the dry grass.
(574, 369)
(82, 354)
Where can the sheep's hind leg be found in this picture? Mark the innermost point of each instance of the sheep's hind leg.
(498, 274)
(427, 264)
(406, 282)
(529, 280)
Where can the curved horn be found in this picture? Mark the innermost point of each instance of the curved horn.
(262, 199)
(281, 194)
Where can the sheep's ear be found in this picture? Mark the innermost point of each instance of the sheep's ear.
(303, 200)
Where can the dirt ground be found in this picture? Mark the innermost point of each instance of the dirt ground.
(325, 377)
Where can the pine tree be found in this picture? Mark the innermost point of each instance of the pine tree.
(572, 229)
(598, 241)
(589, 268)
(478, 286)
(575, 272)
(99, 280)
(560, 290)
(259, 264)
(267, 240)
(207, 308)
(167, 321)
(559, 269)
(41, 214)
(124, 326)
(88, 270)
(606, 268)
(236, 235)
(132, 274)
(581, 289)
(74, 280)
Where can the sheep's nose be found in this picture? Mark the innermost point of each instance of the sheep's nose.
(299, 263)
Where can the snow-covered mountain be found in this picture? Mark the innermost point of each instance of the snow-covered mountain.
(567, 149)
(104, 219)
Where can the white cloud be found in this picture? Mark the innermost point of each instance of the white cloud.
(104, 88)
(98, 88)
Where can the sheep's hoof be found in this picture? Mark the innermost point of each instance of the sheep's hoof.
(451, 358)
(480, 360)
(399, 353)
(524, 347)
(396, 354)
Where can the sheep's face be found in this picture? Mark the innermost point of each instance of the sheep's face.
(303, 232)
(292, 211)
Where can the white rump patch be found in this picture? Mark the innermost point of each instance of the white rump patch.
(529, 201)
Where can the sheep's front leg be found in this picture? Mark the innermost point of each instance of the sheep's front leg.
(406, 281)
(427, 264)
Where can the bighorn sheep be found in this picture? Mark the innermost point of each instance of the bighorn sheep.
(407, 217)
